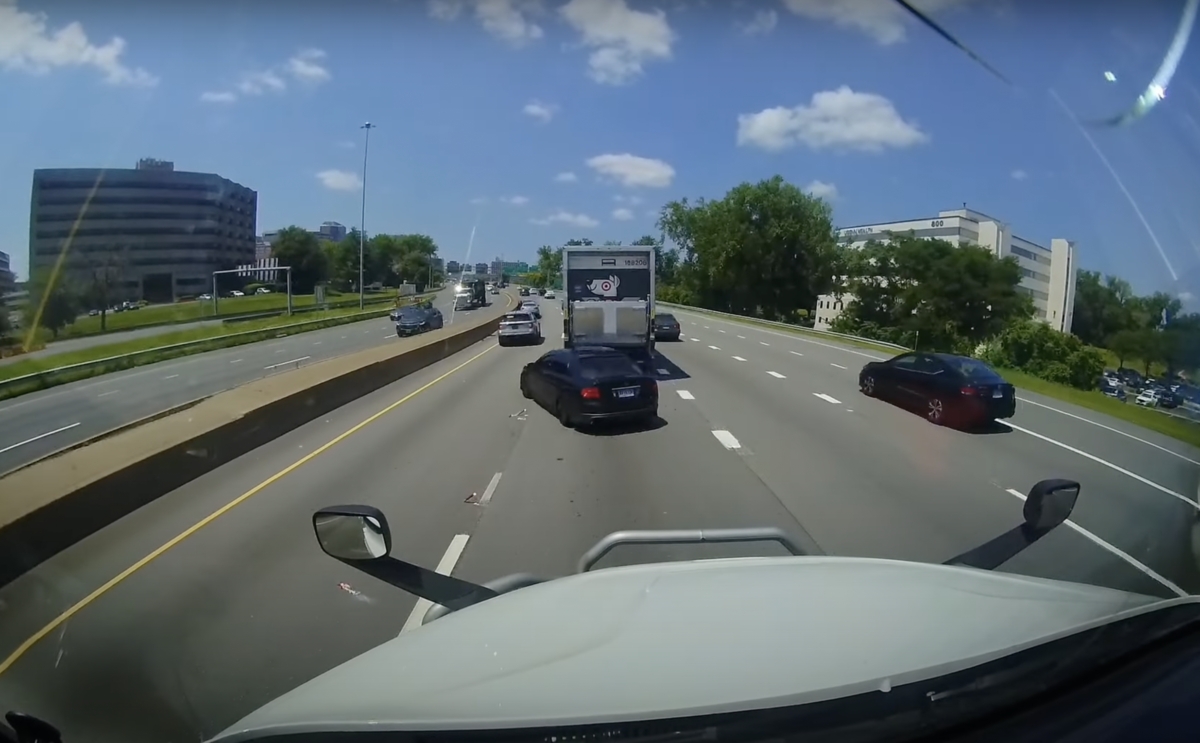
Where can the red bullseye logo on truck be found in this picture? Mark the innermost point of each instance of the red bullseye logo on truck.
(604, 287)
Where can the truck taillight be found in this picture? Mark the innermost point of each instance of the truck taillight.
(590, 393)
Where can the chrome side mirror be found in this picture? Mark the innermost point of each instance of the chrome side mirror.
(1050, 503)
(353, 532)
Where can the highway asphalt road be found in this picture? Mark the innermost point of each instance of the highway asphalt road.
(759, 428)
(35, 425)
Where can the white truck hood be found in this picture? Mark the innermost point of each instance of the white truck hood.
(687, 638)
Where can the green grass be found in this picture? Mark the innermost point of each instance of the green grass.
(183, 312)
(1153, 420)
(251, 331)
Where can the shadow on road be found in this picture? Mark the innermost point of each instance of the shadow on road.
(988, 428)
(622, 428)
(665, 369)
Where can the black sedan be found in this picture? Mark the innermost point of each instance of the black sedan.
(587, 384)
(666, 328)
(417, 319)
(948, 390)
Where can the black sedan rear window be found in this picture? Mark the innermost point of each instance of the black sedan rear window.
(665, 319)
(412, 314)
(606, 366)
(975, 370)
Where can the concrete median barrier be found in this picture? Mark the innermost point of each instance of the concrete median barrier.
(50, 505)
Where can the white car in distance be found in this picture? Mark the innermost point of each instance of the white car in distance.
(520, 327)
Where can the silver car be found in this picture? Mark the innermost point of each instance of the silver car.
(520, 327)
(533, 307)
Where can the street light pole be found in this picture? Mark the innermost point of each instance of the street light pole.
(362, 221)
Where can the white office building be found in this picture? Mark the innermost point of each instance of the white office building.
(1047, 274)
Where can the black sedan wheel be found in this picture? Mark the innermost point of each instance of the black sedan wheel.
(564, 417)
(936, 411)
(866, 383)
(525, 390)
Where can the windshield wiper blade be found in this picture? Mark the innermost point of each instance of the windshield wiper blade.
(937, 29)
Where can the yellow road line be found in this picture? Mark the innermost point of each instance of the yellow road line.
(58, 621)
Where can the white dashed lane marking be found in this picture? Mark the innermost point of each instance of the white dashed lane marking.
(827, 398)
(777, 375)
(727, 439)
(685, 394)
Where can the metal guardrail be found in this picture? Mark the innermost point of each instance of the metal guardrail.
(788, 326)
(46, 378)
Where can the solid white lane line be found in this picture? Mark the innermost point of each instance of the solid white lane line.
(777, 375)
(281, 350)
(737, 358)
(685, 394)
(444, 567)
(714, 348)
(1110, 428)
(285, 363)
(1105, 462)
(827, 398)
(797, 353)
(1143, 568)
(727, 439)
(837, 365)
(490, 490)
(106, 394)
(38, 437)
(317, 343)
(171, 376)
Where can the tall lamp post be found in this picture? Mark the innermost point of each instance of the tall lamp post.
(362, 222)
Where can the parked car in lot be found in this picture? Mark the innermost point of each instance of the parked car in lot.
(417, 319)
(587, 384)
(519, 327)
(1149, 398)
(666, 328)
(948, 390)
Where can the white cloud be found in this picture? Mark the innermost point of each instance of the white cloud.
(340, 180)
(305, 67)
(622, 39)
(563, 217)
(566, 177)
(541, 111)
(27, 44)
(632, 200)
(505, 19)
(763, 22)
(1019, 175)
(1186, 296)
(835, 119)
(632, 171)
(824, 190)
(885, 21)
(622, 214)
(515, 200)
(220, 96)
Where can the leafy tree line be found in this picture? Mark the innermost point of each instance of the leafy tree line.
(769, 250)
(389, 260)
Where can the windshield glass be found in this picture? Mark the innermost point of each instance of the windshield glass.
(256, 261)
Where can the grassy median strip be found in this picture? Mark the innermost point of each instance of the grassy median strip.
(195, 311)
(1154, 420)
(156, 348)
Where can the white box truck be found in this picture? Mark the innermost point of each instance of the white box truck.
(608, 297)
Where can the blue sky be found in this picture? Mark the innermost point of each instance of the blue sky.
(484, 106)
